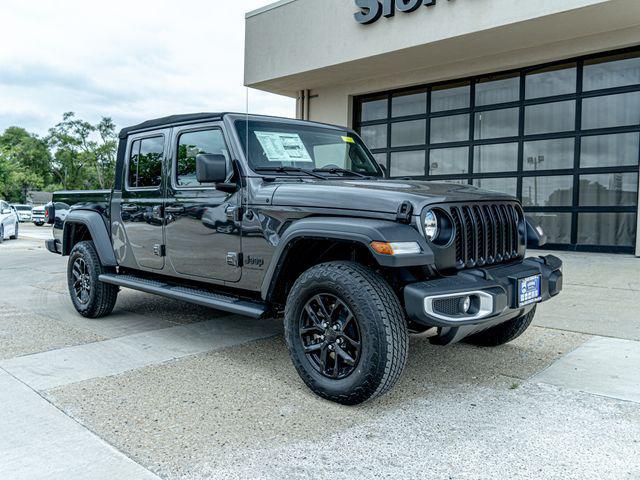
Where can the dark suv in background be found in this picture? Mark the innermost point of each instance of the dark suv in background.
(271, 217)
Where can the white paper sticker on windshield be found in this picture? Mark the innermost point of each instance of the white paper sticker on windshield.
(283, 147)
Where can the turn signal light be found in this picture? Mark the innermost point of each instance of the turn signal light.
(398, 248)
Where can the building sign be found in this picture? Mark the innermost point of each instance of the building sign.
(372, 10)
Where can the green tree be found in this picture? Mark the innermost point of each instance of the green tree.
(25, 164)
(84, 154)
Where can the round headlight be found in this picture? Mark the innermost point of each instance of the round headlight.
(431, 225)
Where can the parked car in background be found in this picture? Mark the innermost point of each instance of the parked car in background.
(9, 223)
(37, 215)
(24, 212)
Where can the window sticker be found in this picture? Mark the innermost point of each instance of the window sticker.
(283, 147)
(348, 140)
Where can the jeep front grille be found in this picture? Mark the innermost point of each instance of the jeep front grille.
(486, 234)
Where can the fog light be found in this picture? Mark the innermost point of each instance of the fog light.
(465, 305)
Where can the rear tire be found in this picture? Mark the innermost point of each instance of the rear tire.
(503, 333)
(362, 350)
(90, 297)
(15, 234)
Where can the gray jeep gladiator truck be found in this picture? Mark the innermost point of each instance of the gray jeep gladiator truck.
(269, 217)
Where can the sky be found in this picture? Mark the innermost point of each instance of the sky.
(129, 60)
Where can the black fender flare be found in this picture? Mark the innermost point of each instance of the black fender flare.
(359, 230)
(99, 234)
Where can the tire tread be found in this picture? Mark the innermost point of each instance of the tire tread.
(369, 287)
(105, 295)
(503, 333)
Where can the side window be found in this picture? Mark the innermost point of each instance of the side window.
(192, 144)
(145, 163)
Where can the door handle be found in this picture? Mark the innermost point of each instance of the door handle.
(129, 208)
(176, 209)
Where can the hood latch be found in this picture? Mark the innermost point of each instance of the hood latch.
(405, 211)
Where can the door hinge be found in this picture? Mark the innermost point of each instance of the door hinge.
(159, 250)
(234, 259)
(234, 213)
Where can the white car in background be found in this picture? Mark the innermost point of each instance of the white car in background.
(37, 216)
(9, 222)
(24, 212)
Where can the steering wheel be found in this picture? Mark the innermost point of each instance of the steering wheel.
(331, 166)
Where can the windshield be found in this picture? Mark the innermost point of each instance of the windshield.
(22, 208)
(274, 145)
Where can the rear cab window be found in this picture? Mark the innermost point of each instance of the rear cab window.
(145, 163)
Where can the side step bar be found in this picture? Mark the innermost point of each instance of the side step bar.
(205, 298)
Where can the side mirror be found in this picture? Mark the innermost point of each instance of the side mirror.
(211, 168)
(535, 235)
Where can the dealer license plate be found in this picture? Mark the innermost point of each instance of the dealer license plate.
(529, 290)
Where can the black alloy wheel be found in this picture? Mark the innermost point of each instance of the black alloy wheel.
(346, 332)
(81, 281)
(91, 297)
(330, 335)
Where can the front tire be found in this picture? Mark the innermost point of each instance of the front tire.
(90, 297)
(346, 332)
(503, 333)
(15, 232)
(1, 233)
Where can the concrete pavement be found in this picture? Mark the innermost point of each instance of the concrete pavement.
(162, 389)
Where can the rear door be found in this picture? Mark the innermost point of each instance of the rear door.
(142, 202)
(202, 230)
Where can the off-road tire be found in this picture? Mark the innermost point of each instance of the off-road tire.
(382, 324)
(15, 235)
(503, 333)
(102, 296)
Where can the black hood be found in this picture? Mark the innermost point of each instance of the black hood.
(377, 195)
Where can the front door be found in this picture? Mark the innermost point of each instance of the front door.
(141, 205)
(202, 232)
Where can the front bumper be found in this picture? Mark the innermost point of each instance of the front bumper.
(494, 291)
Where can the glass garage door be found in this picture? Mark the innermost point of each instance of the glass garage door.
(564, 138)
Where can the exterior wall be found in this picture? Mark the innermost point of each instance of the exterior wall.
(332, 103)
(317, 49)
(304, 52)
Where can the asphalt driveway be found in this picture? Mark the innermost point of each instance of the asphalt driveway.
(163, 389)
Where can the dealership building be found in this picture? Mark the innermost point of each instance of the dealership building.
(540, 99)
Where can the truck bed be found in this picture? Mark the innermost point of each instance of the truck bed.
(67, 200)
(74, 197)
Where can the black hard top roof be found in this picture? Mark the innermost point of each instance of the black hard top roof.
(170, 120)
(198, 117)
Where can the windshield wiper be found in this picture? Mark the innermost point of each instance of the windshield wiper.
(334, 170)
(288, 170)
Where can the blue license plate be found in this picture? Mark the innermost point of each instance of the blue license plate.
(529, 290)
